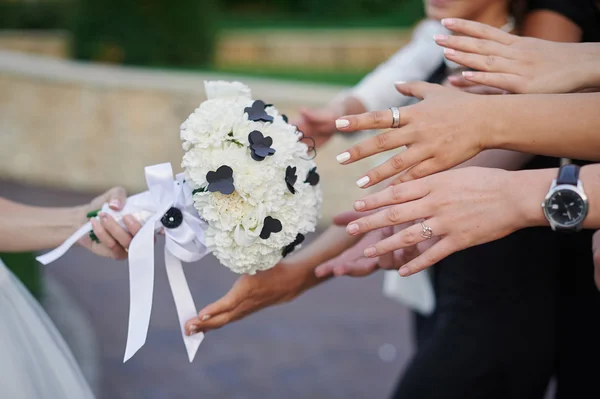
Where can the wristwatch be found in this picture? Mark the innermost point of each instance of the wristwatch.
(566, 204)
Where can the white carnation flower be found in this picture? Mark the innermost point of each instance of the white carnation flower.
(217, 134)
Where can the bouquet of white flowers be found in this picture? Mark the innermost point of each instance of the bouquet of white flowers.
(249, 194)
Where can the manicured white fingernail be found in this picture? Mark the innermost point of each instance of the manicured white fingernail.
(363, 181)
(400, 82)
(468, 74)
(448, 22)
(449, 51)
(192, 330)
(343, 157)
(352, 228)
(115, 204)
(340, 123)
(369, 252)
(206, 317)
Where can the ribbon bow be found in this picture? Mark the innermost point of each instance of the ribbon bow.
(167, 204)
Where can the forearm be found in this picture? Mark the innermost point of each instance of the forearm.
(327, 245)
(560, 125)
(532, 186)
(31, 228)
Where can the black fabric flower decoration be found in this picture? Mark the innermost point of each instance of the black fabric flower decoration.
(290, 178)
(172, 218)
(257, 112)
(260, 146)
(221, 180)
(285, 118)
(313, 177)
(290, 247)
(270, 225)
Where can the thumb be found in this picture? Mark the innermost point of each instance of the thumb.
(420, 90)
(116, 198)
(224, 304)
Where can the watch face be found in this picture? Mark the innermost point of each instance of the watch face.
(566, 208)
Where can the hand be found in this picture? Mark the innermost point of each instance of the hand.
(114, 240)
(249, 294)
(353, 262)
(596, 250)
(442, 131)
(463, 207)
(519, 64)
(318, 124)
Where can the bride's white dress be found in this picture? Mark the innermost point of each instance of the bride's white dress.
(35, 362)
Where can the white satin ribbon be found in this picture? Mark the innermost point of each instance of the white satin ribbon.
(183, 243)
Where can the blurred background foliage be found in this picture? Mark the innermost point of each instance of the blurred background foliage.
(183, 33)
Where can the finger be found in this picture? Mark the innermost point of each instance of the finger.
(326, 269)
(486, 63)
(371, 120)
(116, 198)
(460, 81)
(390, 216)
(361, 267)
(388, 140)
(225, 304)
(392, 195)
(476, 46)
(478, 30)
(107, 240)
(484, 90)
(423, 169)
(504, 81)
(133, 226)
(433, 255)
(408, 237)
(420, 90)
(396, 164)
(115, 230)
(195, 326)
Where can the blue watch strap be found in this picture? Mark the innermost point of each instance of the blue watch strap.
(568, 174)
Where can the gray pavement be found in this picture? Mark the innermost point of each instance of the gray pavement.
(340, 340)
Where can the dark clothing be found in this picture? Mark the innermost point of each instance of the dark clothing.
(492, 334)
(584, 13)
(512, 312)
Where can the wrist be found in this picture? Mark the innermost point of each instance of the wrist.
(528, 189)
(496, 124)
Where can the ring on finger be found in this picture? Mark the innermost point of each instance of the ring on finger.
(426, 231)
(395, 117)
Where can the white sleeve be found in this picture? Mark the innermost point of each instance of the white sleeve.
(415, 61)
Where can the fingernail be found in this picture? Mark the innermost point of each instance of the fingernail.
(448, 21)
(363, 181)
(468, 74)
(370, 252)
(358, 205)
(343, 157)
(340, 123)
(449, 51)
(192, 329)
(400, 82)
(404, 271)
(440, 38)
(206, 317)
(103, 216)
(352, 228)
(115, 204)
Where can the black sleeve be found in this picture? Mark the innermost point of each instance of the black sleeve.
(584, 13)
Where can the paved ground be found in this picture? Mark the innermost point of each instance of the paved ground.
(341, 340)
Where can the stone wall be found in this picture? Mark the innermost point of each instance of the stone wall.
(88, 127)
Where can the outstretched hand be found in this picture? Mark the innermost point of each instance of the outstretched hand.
(319, 124)
(445, 129)
(248, 294)
(519, 64)
(461, 207)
